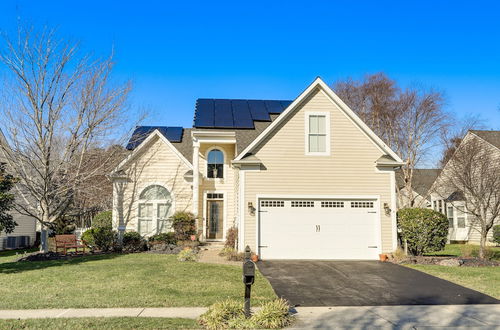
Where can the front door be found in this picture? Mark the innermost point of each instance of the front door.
(215, 219)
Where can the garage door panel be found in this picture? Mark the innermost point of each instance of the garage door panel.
(318, 229)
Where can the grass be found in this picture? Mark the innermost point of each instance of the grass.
(457, 250)
(13, 255)
(482, 279)
(101, 323)
(121, 280)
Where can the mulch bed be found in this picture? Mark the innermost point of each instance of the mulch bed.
(448, 261)
(40, 256)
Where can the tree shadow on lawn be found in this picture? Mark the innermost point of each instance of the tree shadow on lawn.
(23, 266)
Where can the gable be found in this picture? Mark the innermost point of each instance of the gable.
(347, 142)
(319, 86)
(161, 143)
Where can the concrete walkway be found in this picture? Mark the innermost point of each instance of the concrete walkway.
(399, 317)
(339, 317)
(180, 312)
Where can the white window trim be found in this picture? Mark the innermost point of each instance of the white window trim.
(327, 132)
(155, 203)
(224, 164)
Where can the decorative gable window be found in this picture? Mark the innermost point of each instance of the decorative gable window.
(215, 164)
(318, 133)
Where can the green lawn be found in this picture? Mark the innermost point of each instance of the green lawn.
(457, 250)
(100, 323)
(121, 280)
(482, 279)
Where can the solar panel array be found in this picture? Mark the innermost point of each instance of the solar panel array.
(226, 113)
(173, 134)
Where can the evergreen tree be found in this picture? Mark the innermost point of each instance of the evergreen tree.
(7, 223)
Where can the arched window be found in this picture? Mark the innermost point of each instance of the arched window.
(155, 208)
(155, 192)
(215, 164)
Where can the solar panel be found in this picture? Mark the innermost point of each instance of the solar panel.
(241, 114)
(205, 113)
(258, 110)
(274, 106)
(173, 134)
(223, 114)
(285, 104)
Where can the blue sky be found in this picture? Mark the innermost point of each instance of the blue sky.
(177, 52)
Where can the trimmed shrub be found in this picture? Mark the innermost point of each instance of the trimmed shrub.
(219, 314)
(184, 224)
(230, 314)
(424, 230)
(167, 238)
(103, 219)
(187, 255)
(496, 234)
(231, 237)
(273, 315)
(100, 238)
(133, 242)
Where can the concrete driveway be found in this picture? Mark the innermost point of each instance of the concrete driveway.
(362, 283)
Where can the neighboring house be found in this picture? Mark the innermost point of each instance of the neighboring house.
(25, 231)
(420, 196)
(300, 179)
(463, 228)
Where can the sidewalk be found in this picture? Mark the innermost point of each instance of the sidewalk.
(366, 317)
(399, 317)
(177, 312)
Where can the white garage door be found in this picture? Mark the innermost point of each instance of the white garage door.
(318, 229)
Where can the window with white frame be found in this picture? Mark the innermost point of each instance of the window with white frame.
(215, 164)
(460, 217)
(317, 133)
(450, 216)
(154, 210)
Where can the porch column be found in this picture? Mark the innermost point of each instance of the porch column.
(196, 176)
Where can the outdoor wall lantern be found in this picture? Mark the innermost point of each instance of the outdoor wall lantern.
(251, 209)
(387, 209)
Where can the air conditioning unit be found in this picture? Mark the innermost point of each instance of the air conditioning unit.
(15, 242)
(23, 241)
(11, 242)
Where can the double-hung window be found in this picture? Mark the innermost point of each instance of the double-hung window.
(317, 133)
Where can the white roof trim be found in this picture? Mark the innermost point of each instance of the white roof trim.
(318, 82)
(145, 143)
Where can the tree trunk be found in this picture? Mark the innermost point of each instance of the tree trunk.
(44, 237)
(482, 244)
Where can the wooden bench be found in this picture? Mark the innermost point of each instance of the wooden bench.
(66, 242)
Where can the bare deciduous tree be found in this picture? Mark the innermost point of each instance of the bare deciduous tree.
(474, 172)
(409, 120)
(453, 135)
(58, 108)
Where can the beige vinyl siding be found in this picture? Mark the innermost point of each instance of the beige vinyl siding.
(224, 185)
(157, 164)
(348, 170)
(441, 191)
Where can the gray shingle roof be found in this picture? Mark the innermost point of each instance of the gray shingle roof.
(422, 179)
(185, 147)
(492, 137)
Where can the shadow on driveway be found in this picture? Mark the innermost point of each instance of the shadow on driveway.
(362, 283)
